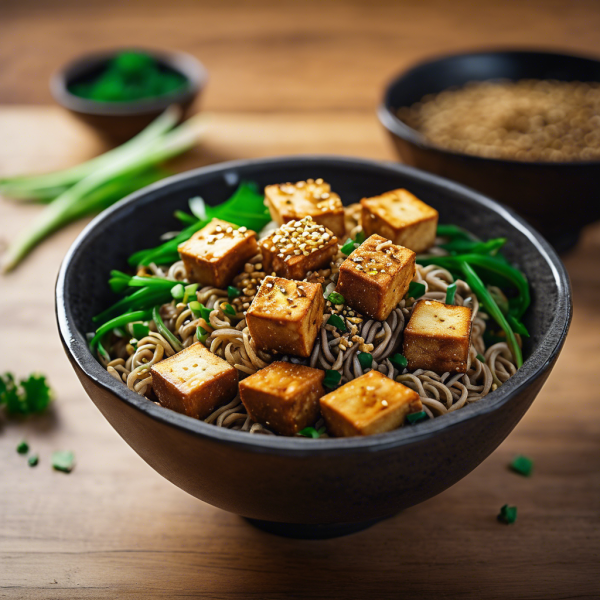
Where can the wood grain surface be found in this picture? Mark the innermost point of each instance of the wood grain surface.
(285, 78)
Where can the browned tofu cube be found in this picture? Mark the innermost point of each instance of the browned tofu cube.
(283, 397)
(438, 337)
(216, 254)
(297, 248)
(194, 381)
(285, 316)
(376, 276)
(310, 198)
(401, 217)
(372, 403)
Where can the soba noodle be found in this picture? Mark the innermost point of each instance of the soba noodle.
(230, 339)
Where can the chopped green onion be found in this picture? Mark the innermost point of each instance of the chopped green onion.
(198, 208)
(522, 465)
(165, 331)
(191, 289)
(417, 417)
(365, 359)
(196, 308)
(233, 292)
(450, 293)
(454, 231)
(399, 361)
(202, 334)
(33, 460)
(332, 378)
(63, 461)
(139, 330)
(311, 432)
(360, 237)
(206, 312)
(228, 309)
(415, 289)
(508, 514)
(348, 247)
(336, 298)
(517, 326)
(23, 447)
(481, 358)
(177, 291)
(337, 321)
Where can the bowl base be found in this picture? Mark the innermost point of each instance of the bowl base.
(304, 531)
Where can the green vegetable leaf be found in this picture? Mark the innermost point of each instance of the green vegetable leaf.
(332, 378)
(399, 361)
(522, 465)
(229, 310)
(337, 322)
(508, 514)
(177, 292)
(201, 334)
(348, 247)
(450, 293)
(365, 359)
(336, 298)
(415, 290)
(311, 432)
(63, 460)
(37, 393)
(140, 330)
(233, 292)
(417, 417)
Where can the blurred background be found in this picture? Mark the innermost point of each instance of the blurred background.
(283, 78)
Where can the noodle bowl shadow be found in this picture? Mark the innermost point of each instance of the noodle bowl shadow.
(296, 486)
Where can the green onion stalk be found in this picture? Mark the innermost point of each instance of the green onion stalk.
(72, 203)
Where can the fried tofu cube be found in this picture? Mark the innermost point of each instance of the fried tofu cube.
(310, 198)
(194, 381)
(401, 217)
(438, 337)
(285, 316)
(216, 254)
(372, 403)
(376, 276)
(283, 397)
(297, 248)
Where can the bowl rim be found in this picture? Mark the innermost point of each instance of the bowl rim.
(184, 63)
(388, 118)
(534, 366)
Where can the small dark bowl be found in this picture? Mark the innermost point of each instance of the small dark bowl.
(556, 198)
(119, 121)
(297, 486)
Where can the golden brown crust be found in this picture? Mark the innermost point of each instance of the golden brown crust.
(313, 198)
(297, 248)
(194, 381)
(370, 404)
(438, 337)
(285, 316)
(283, 397)
(216, 254)
(401, 217)
(374, 281)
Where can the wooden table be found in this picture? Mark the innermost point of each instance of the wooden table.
(114, 528)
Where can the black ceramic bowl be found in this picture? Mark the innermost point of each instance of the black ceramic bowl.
(300, 486)
(557, 198)
(119, 121)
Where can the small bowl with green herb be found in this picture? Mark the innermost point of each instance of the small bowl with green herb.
(119, 92)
